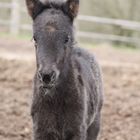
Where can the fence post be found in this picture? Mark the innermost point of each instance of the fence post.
(15, 17)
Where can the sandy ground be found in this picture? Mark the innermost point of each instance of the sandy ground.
(121, 72)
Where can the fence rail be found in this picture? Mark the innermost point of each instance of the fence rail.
(109, 37)
(14, 24)
(118, 22)
(5, 5)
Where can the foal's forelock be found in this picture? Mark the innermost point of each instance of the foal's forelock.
(40, 7)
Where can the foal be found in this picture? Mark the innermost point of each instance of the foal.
(67, 97)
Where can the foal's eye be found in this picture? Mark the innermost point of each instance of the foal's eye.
(34, 38)
(67, 38)
(35, 41)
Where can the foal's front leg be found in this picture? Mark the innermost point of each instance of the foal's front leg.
(94, 129)
(46, 136)
(75, 135)
(81, 136)
(53, 136)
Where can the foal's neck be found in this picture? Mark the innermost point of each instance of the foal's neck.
(67, 70)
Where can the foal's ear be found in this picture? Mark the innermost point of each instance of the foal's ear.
(30, 6)
(35, 6)
(73, 8)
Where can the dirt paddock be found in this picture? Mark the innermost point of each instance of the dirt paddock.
(121, 111)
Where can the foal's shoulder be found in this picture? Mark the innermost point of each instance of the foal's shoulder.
(90, 60)
(84, 54)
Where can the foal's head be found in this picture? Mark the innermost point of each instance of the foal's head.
(53, 34)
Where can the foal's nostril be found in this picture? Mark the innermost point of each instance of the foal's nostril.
(46, 78)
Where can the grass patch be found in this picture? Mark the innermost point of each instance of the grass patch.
(126, 48)
(86, 45)
(27, 36)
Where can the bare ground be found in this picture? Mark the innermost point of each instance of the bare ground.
(121, 72)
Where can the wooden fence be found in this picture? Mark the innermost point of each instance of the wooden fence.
(15, 26)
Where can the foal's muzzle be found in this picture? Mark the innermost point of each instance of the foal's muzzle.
(48, 79)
